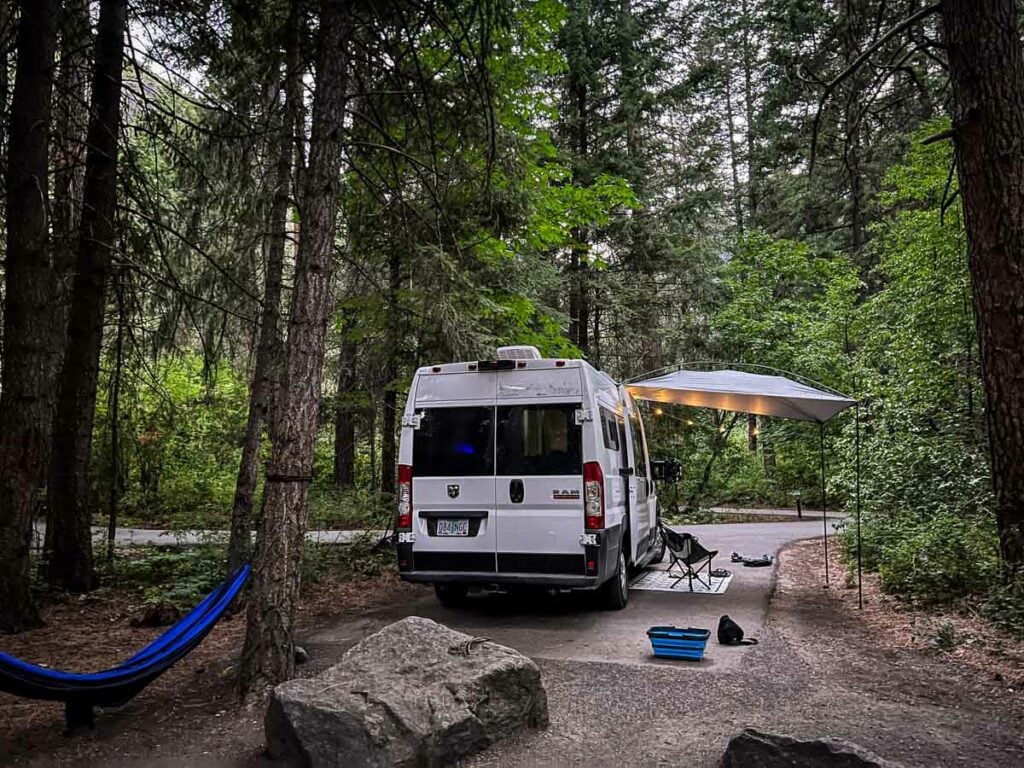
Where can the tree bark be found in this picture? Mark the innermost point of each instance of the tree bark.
(718, 442)
(749, 113)
(344, 417)
(579, 305)
(268, 656)
(70, 123)
(114, 408)
(734, 159)
(852, 132)
(68, 536)
(7, 38)
(986, 67)
(387, 439)
(26, 388)
(266, 374)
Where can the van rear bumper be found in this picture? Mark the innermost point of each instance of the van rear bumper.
(490, 577)
(552, 570)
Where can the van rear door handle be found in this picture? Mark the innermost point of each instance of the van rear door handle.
(626, 471)
(516, 491)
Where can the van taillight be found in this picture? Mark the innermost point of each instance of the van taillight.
(593, 496)
(404, 497)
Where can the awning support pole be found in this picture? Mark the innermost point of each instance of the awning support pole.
(860, 589)
(824, 506)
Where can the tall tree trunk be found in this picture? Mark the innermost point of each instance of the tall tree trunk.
(266, 374)
(371, 432)
(114, 408)
(987, 73)
(7, 38)
(751, 432)
(851, 129)
(30, 337)
(767, 447)
(734, 156)
(344, 414)
(269, 653)
(29, 344)
(70, 123)
(394, 343)
(579, 305)
(718, 442)
(753, 171)
(68, 535)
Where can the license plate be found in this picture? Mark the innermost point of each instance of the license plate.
(453, 527)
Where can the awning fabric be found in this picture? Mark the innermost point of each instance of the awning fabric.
(744, 392)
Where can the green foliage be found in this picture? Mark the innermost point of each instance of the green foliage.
(180, 575)
(364, 558)
(1004, 604)
(332, 508)
(927, 521)
(181, 441)
(787, 308)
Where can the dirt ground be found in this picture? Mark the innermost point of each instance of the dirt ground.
(877, 677)
(189, 716)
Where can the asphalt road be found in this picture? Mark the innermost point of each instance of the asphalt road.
(156, 537)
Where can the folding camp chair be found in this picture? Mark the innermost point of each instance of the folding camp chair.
(688, 556)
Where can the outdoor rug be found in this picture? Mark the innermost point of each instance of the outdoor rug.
(660, 581)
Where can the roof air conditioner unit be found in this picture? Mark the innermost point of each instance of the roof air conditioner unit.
(519, 352)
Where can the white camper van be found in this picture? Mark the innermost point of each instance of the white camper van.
(523, 471)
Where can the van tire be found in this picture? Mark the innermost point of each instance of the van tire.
(659, 548)
(614, 593)
(451, 595)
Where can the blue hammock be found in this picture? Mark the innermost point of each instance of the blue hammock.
(116, 686)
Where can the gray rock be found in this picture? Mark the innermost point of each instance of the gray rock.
(301, 655)
(754, 749)
(414, 694)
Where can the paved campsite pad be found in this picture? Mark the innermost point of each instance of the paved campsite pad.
(570, 627)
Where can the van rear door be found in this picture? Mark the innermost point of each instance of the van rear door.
(539, 472)
(453, 481)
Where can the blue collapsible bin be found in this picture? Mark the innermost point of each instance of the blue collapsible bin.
(679, 643)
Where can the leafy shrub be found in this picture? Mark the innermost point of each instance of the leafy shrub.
(180, 443)
(180, 575)
(939, 559)
(1004, 605)
(356, 509)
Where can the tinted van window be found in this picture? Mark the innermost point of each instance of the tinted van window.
(639, 454)
(539, 440)
(454, 442)
(609, 429)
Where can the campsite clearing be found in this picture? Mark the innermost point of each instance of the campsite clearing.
(818, 670)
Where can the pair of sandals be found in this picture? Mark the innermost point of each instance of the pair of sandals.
(753, 562)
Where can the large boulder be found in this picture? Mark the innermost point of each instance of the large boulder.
(416, 693)
(754, 749)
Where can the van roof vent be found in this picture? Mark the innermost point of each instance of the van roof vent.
(519, 352)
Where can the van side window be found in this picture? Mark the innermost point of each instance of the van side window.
(610, 430)
(539, 440)
(639, 455)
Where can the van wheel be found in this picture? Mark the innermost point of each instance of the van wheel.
(659, 549)
(615, 592)
(451, 595)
